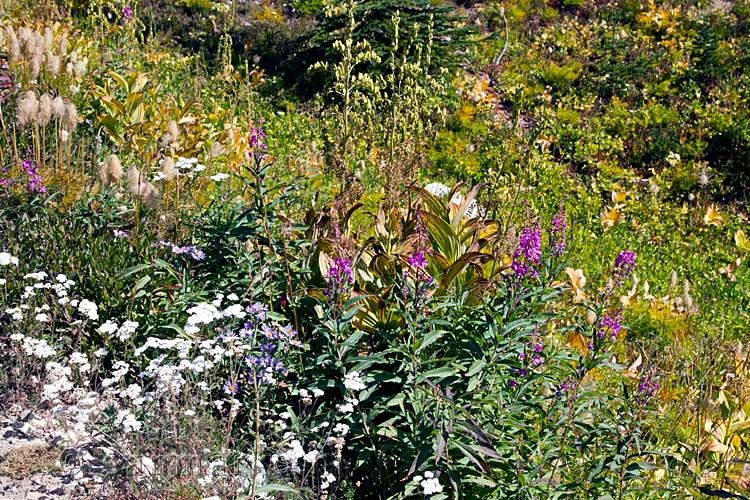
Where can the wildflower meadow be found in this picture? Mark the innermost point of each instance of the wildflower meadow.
(374, 249)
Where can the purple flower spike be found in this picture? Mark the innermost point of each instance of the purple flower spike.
(528, 252)
(418, 260)
(557, 233)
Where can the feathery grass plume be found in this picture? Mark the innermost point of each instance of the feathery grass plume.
(26, 39)
(141, 188)
(49, 38)
(62, 46)
(216, 150)
(58, 107)
(167, 167)
(173, 130)
(44, 113)
(673, 280)
(27, 108)
(14, 46)
(70, 118)
(35, 54)
(52, 64)
(110, 172)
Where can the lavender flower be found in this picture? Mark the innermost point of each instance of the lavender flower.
(528, 253)
(231, 387)
(194, 252)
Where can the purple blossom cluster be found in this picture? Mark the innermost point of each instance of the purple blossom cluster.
(127, 13)
(557, 233)
(624, 265)
(194, 252)
(647, 387)
(4, 181)
(417, 260)
(339, 277)
(256, 139)
(31, 169)
(610, 325)
(528, 253)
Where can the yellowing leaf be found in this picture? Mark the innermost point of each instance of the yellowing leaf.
(577, 282)
(712, 217)
(578, 340)
(632, 371)
(742, 241)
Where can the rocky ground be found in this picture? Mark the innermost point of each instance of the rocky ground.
(42, 457)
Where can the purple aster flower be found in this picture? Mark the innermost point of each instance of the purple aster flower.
(197, 254)
(117, 233)
(258, 310)
(231, 387)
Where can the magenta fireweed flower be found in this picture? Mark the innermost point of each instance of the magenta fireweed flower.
(256, 139)
(624, 265)
(647, 387)
(417, 260)
(340, 273)
(528, 252)
(557, 233)
(611, 325)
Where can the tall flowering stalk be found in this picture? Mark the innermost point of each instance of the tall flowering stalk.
(556, 231)
(528, 253)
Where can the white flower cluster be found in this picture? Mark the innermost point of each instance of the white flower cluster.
(123, 332)
(7, 259)
(189, 166)
(430, 484)
(353, 381)
(39, 348)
